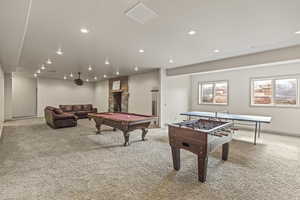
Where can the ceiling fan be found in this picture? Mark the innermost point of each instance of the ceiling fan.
(78, 81)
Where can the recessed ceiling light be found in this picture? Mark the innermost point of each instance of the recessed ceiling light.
(117, 73)
(84, 30)
(35, 75)
(65, 77)
(95, 78)
(104, 76)
(43, 67)
(297, 32)
(49, 62)
(87, 80)
(171, 61)
(107, 62)
(136, 68)
(90, 68)
(71, 75)
(59, 52)
(216, 50)
(141, 51)
(38, 71)
(192, 32)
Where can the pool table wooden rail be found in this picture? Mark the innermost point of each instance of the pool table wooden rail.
(125, 125)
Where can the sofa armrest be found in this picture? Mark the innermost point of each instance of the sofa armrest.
(76, 117)
(94, 110)
(64, 116)
(49, 116)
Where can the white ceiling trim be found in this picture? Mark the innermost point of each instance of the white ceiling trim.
(282, 55)
(20, 51)
(247, 67)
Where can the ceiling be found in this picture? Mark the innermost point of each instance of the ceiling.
(31, 31)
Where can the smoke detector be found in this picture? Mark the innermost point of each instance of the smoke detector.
(141, 13)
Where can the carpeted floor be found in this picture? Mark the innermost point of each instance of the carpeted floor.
(37, 162)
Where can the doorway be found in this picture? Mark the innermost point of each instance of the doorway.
(117, 101)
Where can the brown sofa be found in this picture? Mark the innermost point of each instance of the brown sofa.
(56, 118)
(81, 111)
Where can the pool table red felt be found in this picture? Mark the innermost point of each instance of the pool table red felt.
(126, 122)
(122, 116)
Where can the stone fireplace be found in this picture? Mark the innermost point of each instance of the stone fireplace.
(118, 98)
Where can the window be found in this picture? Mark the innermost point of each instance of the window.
(274, 91)
(213, 93)
(286, 91)
(208, 93)
(262, 93)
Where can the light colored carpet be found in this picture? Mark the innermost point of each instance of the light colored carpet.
(37, 162)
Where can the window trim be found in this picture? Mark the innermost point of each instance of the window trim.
(200, 83)
(273, 79)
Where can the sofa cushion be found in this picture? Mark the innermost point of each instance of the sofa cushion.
(66, 108)
(65, 123)
(87, 107)
(64, 116)
(58, 111)
(77, 107)
(82, 112)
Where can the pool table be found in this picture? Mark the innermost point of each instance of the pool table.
(126, 122)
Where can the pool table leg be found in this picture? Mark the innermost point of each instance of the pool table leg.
(98, 127)
(126, 138)
(144, 133)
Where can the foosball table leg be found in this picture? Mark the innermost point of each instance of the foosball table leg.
(202, 168)
(225, 151)
(176, 158)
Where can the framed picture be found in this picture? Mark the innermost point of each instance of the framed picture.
(116, 85)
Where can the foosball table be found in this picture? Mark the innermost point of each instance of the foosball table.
(200, 137)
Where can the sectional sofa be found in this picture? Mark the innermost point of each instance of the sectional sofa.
(81, 111)
(67, 115)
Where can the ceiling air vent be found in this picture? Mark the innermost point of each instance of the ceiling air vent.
(141, 13)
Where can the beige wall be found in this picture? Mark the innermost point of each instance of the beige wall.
(23, 96)
(53, 92)
(140, 95)
(1, 95)
(163, 97)
(101, 96)
(178, 94)
(284, 120)
(174, 90)
(8, 96)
